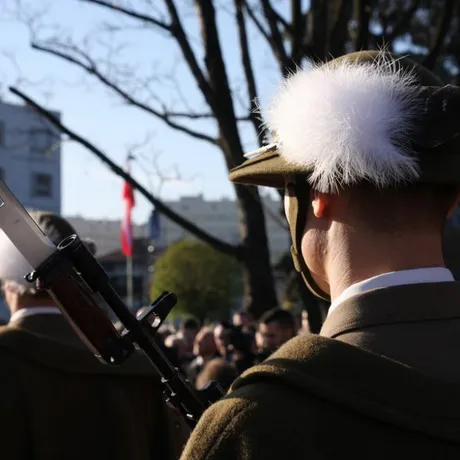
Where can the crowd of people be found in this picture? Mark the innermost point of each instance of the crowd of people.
(224, 350)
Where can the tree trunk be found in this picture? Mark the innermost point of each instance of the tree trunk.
(260, 294)
(259, 288)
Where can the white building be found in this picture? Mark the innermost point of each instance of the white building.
(30, 157)
(219, 217)
(105, 233)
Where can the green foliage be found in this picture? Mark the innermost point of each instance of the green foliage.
(206, 282)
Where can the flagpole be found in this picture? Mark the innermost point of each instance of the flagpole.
(127, 236)
(129, 281)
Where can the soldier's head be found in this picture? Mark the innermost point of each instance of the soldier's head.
(276, 327)
(242, 318)
(367, 149)
(221, 337)
(189, 328)
(17, 291)
(205, 344)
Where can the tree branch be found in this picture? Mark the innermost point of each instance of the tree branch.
(190, 115)
(340, 16)
(283, 65)
(283, 21)
(131, 13)
(403, 23)
(179, 34)
(176, 29)
(276, 38)
(258, 25)
(199, 116)
(443, 28)
(248, 70)
(362, 15)
(297, 30)
(317, 30)
(222, 246)
(91, 68)
(220, 86)
(386, 38)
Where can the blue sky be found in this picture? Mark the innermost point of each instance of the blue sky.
(89, 189)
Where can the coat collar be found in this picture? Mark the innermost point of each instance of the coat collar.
(51, 327)
(396, 278)
(50, 341)
(396, 304)
(362, 382)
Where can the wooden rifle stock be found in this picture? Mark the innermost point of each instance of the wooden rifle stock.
(82, 290)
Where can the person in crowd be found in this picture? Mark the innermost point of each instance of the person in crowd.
(204, 350)
(57, 400)
(305, 325)
(276, 327)
(243, 319)
(218, 370)
(188, 329)
(221, 336)
(242, 349)
(176, 351)
(259, 342)
(367, 149)
(164, 332)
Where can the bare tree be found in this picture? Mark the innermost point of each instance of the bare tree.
(292, 33)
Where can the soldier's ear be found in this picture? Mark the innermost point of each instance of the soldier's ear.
(320, 203)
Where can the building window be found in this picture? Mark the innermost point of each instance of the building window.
(42, 185)
(40, 141)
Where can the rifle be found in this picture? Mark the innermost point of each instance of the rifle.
(83, 292)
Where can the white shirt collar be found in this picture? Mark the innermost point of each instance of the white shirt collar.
(402, 277)
(23, 312)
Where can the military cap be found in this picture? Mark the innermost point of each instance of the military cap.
(55, 227)
(13, 266)
(367, 116)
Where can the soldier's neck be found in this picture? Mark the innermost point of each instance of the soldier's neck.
(359, 259)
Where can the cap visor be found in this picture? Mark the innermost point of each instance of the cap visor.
(264, 167)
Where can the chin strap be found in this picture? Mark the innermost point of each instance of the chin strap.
(299, 196)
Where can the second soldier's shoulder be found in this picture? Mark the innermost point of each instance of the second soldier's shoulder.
(250, 421)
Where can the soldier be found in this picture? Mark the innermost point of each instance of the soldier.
(367, 148)
(57, 401)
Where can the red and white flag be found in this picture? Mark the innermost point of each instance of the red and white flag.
(126, 225)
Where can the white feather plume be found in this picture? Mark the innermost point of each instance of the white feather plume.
(347, 122)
